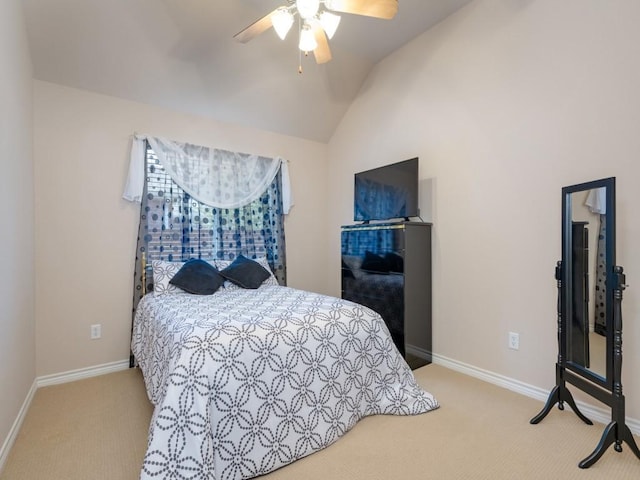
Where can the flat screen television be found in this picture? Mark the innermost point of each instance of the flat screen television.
(387, 192)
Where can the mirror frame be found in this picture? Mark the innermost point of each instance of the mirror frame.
(606, 389)
(566, 303)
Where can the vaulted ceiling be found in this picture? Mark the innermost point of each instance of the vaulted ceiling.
(181, 54)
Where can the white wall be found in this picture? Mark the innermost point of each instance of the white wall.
(86, 233)
(17, 316)
(505, 103)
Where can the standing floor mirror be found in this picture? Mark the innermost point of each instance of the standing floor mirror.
(590, 287)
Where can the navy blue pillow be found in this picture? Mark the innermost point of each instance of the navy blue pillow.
(395, 262)
(245, 273)
(199, 277)
(374, 263)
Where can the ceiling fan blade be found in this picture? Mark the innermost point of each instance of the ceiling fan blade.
(385, 9)
(322, 51)
(255, 29)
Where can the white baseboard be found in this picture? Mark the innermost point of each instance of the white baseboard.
(81, 373)
(15, 428)
(54, 379)
(596, 414)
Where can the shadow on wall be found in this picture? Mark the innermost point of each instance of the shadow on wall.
(426, 199)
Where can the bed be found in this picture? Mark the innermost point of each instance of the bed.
(244, 381)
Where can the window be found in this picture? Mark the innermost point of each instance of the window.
(175, 227)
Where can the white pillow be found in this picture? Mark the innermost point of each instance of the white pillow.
(163, 272)
(262, 261)
(354, 263)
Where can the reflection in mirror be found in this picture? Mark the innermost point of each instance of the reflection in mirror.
(586, 335)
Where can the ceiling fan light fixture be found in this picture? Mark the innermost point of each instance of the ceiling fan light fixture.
(308, 41)
(307, 8)
(282, 20)
(329, 22)
(331, 4)
(318, 21)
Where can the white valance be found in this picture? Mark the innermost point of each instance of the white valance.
(218, 178)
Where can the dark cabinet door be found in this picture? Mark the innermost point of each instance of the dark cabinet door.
(388, 269)
(372, 274)
(578, 346)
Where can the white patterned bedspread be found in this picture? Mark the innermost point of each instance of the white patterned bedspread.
(246, 381)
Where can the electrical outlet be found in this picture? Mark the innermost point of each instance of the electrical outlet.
(96, 331)
(514, 341)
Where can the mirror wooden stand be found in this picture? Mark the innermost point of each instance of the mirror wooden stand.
(590, 314)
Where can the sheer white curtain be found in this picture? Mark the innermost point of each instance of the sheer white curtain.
(218, 178)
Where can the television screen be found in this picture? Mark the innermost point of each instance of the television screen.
(387, 192)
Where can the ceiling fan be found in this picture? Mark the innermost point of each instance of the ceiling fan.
(317, 21)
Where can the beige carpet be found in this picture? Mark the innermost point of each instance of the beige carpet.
(96, 429)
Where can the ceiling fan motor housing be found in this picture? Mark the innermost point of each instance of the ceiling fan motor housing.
(307, 8)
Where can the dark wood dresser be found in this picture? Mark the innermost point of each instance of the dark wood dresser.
(387, 267)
